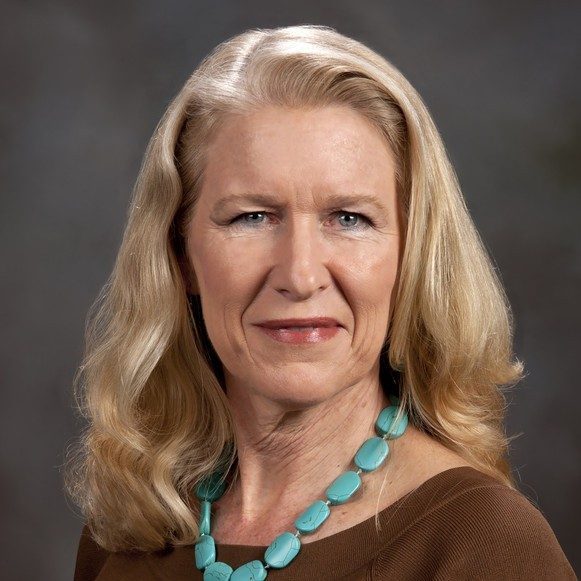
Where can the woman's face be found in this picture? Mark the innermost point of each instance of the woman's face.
(323, 240)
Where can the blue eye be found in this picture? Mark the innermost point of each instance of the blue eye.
(354, 214)
(242, 219)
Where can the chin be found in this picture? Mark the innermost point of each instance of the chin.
(306, 395)
(293, 387)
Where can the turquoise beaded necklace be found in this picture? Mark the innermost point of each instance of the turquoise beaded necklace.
(370, 456)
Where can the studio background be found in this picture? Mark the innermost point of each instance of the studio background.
(82, 88)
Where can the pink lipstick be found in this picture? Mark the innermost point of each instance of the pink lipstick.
(307, 330)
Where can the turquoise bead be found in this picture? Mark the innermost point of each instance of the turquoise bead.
(282, 550)
(253, 571)
(217, 571)
(313, 517)
(205, 551)
(205, 517)
(211, 488)
(385, 426)
(343, 487)
(371, 454)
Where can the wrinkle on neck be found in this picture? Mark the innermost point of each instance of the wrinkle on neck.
(289, 458)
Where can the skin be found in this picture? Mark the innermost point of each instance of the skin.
(301, 411)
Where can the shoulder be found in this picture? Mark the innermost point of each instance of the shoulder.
(97, 564)
(90, 557)
(465, 524)
(477, 505)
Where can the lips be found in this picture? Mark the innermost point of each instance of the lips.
(308, 322)
(304, 336)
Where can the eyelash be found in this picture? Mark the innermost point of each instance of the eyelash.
(344, 212)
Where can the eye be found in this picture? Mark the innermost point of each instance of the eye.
(360, 222)
(242, 218)
(358, 226)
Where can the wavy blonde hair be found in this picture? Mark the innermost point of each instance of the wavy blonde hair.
(150, 384)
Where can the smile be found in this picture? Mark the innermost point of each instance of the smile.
(299, 335)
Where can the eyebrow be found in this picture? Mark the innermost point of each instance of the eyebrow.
(333, 201)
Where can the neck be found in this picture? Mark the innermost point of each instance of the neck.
(287, 458)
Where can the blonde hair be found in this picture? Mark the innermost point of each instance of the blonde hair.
(150, 384)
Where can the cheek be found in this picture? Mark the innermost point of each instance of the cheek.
(231, 269)
(222, 265)
(224, 279)
(228, 276)
(374, 273)
(371, 283)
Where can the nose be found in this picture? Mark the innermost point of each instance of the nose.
(300, 260)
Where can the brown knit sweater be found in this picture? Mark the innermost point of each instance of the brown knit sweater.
(459, 524)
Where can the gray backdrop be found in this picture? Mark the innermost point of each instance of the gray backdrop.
(83, 85)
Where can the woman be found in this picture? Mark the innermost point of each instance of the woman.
(299, 277)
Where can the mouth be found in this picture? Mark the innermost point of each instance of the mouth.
(301, 334)
(295, 328)
(300, 324)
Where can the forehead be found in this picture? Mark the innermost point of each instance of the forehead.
(308, 148)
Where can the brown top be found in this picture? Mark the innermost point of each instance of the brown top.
(459, 524)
